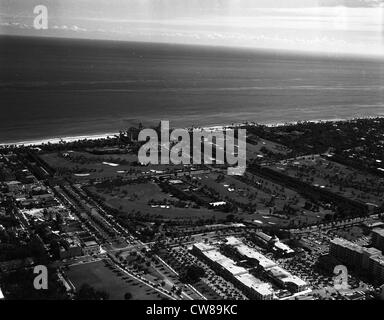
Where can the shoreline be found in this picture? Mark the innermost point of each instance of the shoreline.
(57, 140)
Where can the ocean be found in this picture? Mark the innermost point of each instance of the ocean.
(63, 87)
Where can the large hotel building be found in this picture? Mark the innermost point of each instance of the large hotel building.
(366, 260)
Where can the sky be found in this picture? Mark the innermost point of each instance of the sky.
(323, 26)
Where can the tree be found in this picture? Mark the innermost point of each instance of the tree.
(86, 292)
(192, 274)
(127, 296)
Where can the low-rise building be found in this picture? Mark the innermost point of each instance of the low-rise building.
(70, 248)
(277, 274)
(239, 276)
(91, 248)
(14, 185)
(253, 287)
(372, 225)
(287, 280)
(273, 243)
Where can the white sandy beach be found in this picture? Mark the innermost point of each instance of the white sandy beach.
(56, 140)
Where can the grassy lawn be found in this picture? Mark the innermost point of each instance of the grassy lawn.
(265, 195)
(83, 166)
(102, 277)
(337, 178)
(139, 193)
(91, 166)
(258, 145)
(135, 197)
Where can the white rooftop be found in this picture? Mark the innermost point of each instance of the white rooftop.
(347, 244)
(379, 232)
(218, 203)
(250, 253)
(286, 277)
(240, 273)
(90, 243)
(266, 263)
(250, 281)
(11, 183)
(379, 259)
(231, 266)
(233, 241)
(284, 247)
(225, 262)
(203, 246)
